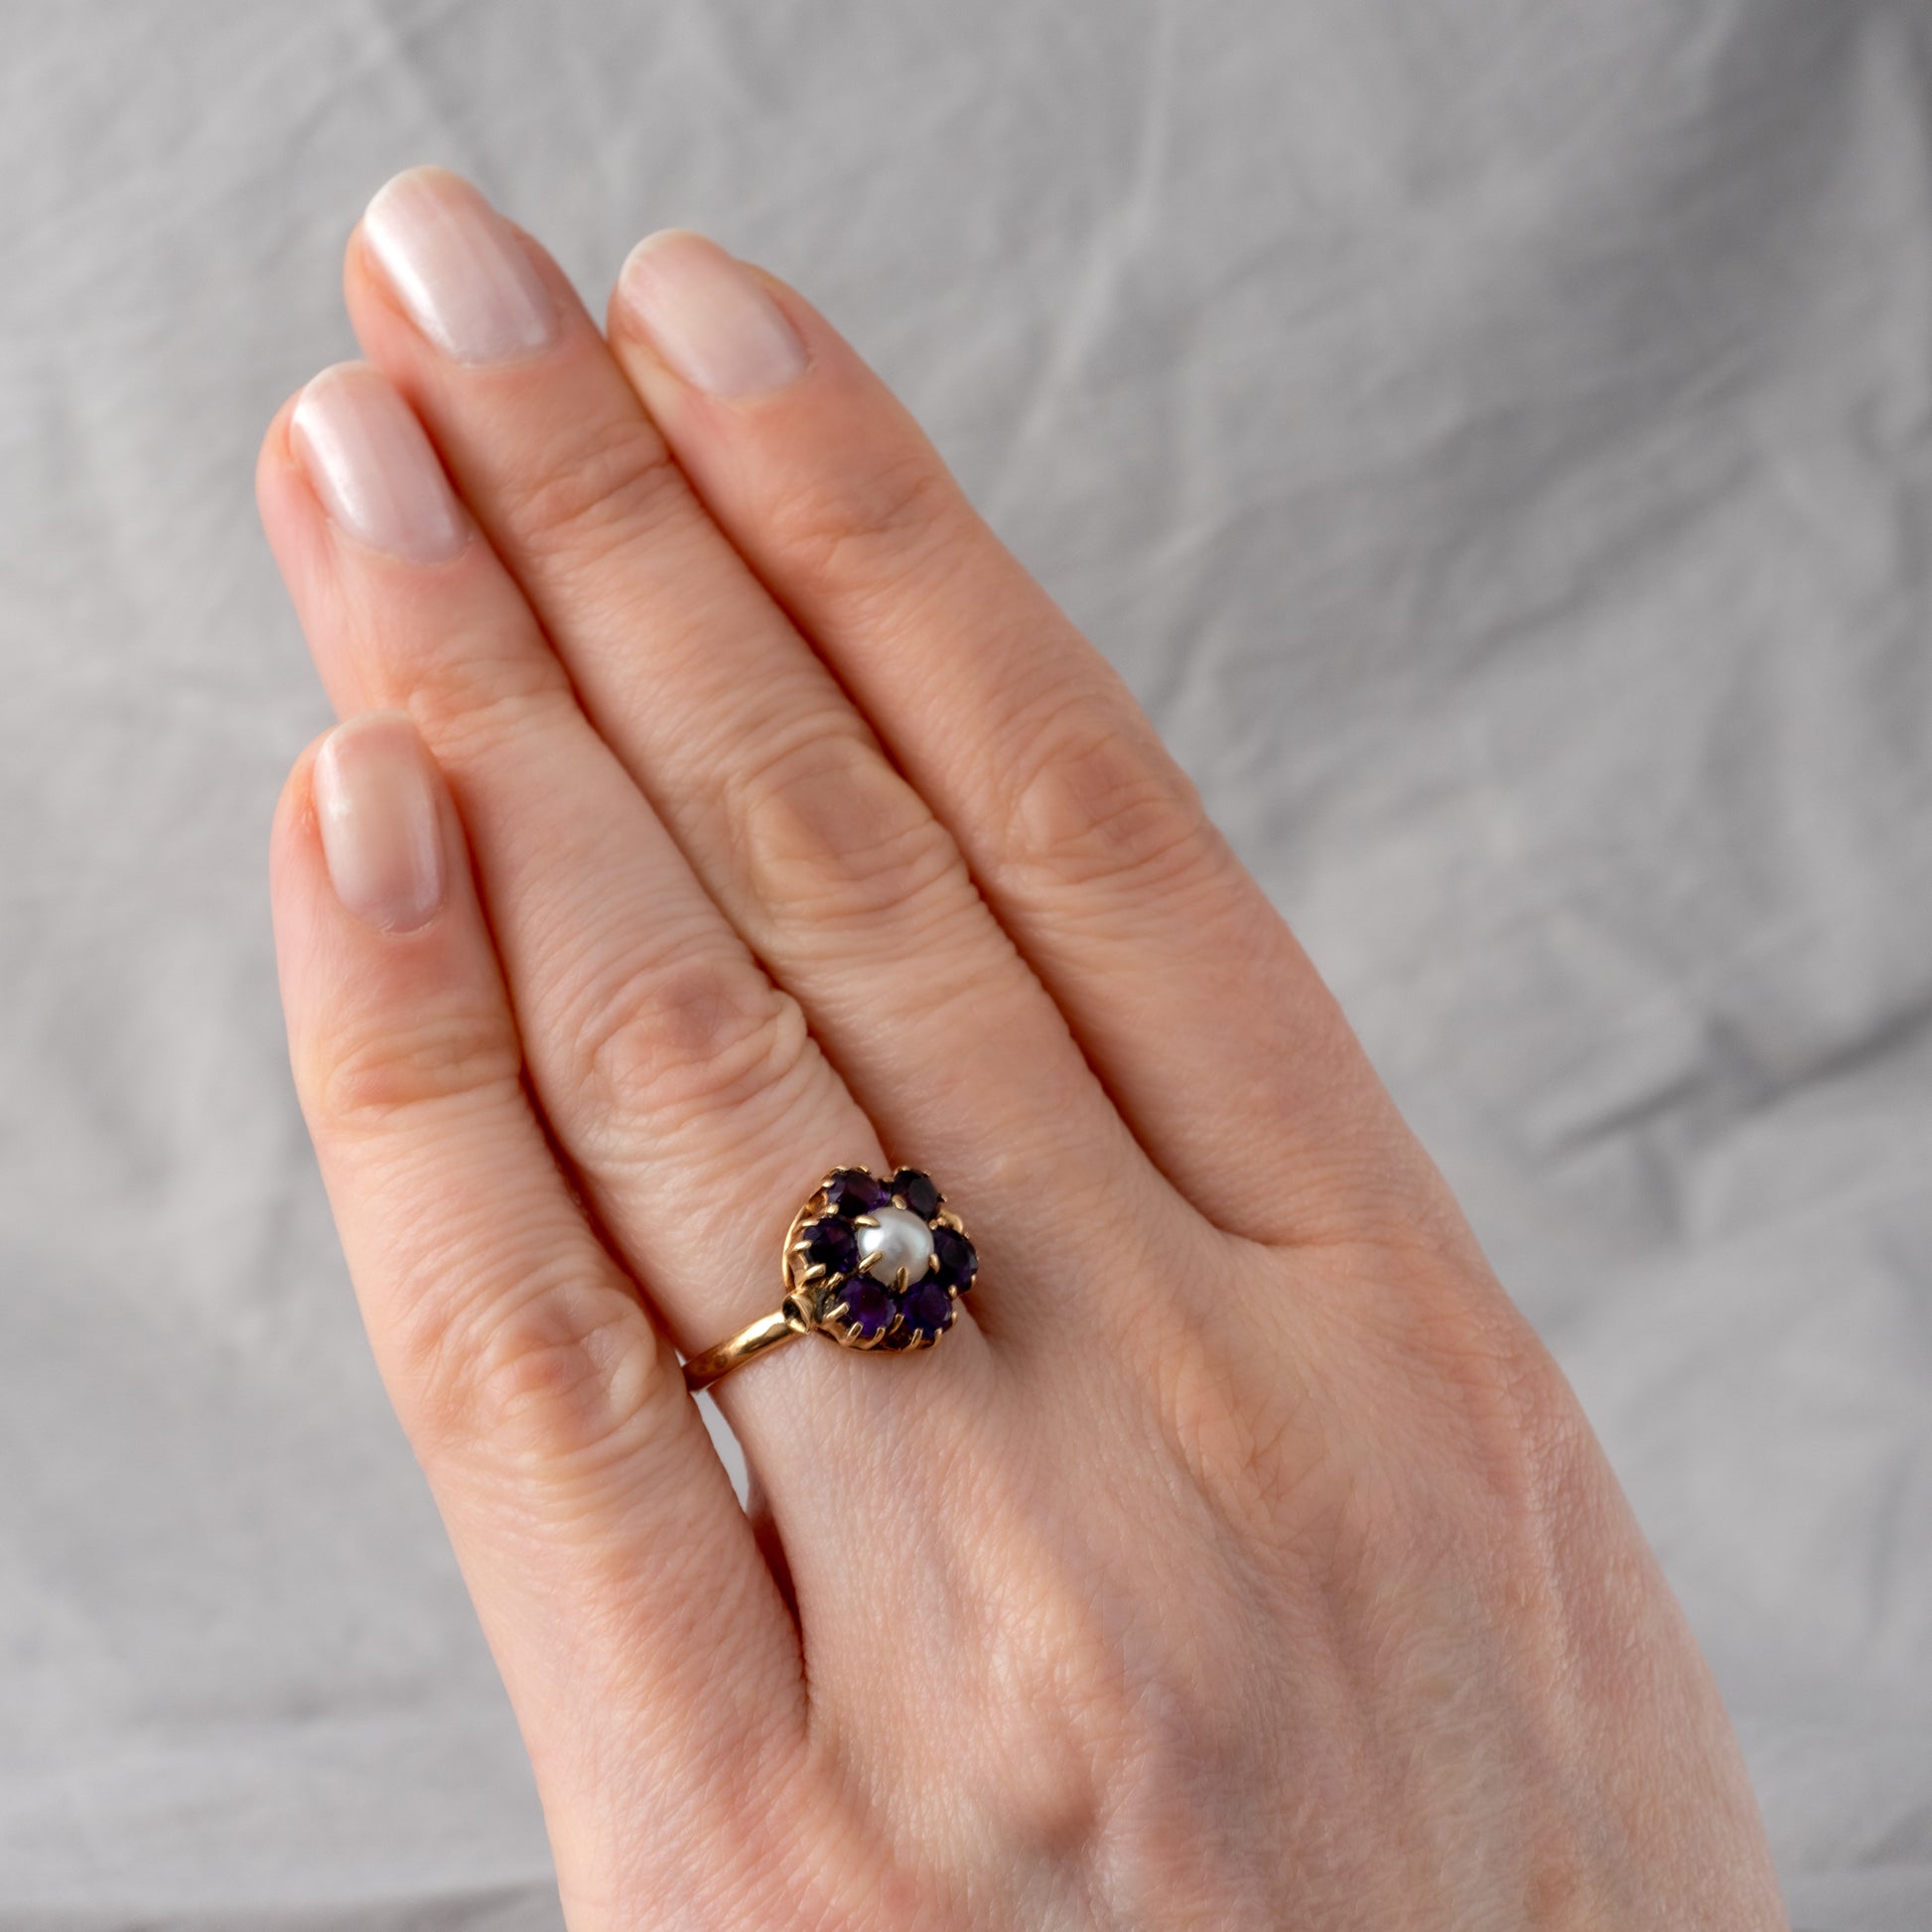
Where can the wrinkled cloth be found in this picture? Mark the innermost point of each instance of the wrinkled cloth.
(1495, 442)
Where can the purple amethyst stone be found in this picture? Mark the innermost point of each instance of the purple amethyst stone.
(954, 1262)
(916, 1190)
(852, 1191)
(832, 1245)
(867, 1307)
(927, 1307)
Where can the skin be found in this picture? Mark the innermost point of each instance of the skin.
(1241, 1559)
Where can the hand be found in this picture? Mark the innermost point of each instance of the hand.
(1240, 1558)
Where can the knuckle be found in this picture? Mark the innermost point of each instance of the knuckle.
(880, 517)
(611, 484)
(555, 1376)
(1532, 1423)
(1096, 797)
(360, 1078)
(675, 1040)
(1230, 1415)
(1478, 1375)
(835, 836)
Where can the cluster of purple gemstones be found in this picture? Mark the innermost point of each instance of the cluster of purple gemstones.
(840, 1252)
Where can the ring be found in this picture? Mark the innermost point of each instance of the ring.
(871, 1263)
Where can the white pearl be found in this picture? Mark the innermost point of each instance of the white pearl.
(900, 1240)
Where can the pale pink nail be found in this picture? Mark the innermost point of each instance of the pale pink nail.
(459, 269)
(369, 462)
(375, 795)
(707, 316)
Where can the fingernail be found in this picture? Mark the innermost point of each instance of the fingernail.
(375, 795)
(707, 316)
(458, 268)
(369, 462)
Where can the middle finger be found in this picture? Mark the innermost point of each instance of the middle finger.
(818, 851)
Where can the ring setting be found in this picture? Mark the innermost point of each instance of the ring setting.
(869, 1263)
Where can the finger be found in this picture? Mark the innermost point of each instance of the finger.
(615, 1576)
(684, 1088)
(1088, 840)
(819, 852)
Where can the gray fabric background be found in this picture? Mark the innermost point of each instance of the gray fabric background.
(1495, 440)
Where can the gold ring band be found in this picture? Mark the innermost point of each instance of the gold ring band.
(767, 1333)
(871, 1264)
